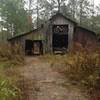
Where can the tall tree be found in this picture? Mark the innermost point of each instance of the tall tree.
(72, 4)
(59, 3)
(51, 6)
(84, 10)
(96, 20)
(30, 9)
(14, 16)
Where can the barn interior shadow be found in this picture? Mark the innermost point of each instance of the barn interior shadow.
(33, 47)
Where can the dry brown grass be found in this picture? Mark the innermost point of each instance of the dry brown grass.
(81, 65)
(12, 55)
(10, 58)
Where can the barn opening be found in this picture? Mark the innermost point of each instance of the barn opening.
(34, 47)
(28, 47)
(60, 37)
(37, 47)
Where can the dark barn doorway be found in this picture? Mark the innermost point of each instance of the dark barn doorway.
(28, 47)
(60, 38)
(34, 47)
(60, 42)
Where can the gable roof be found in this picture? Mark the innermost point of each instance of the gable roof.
(65, 17)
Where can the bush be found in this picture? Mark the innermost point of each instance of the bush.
(11, 54)
(84, 64)
(80, 64)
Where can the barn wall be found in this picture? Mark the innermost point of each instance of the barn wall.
(49, 38)
(37, 35)
(59, 20)
(84, 37)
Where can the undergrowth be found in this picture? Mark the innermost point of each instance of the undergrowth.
(8, 91)
(11, 55)
(10, 58)
(81, 66)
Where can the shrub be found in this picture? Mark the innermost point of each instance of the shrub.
(11, 54)
(9, 57)
(80, 65)
(84, 64)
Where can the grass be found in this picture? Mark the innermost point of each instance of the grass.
(10, 59)
(8, 88)
(8, 91)
(81, 66)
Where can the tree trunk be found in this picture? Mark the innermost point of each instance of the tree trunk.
(59, 5)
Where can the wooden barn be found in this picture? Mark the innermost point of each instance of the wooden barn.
(56, 35)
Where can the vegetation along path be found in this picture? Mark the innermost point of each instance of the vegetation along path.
(41, 82)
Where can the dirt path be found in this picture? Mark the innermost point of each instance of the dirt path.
(41, 82)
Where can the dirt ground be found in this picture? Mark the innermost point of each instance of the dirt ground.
(40, 82)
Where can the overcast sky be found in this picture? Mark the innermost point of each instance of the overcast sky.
(97, 2)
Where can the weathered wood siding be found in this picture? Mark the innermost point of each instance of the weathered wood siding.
(60, 20)
(37, 35)
(84, 37)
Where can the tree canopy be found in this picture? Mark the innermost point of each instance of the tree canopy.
(14, 16)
